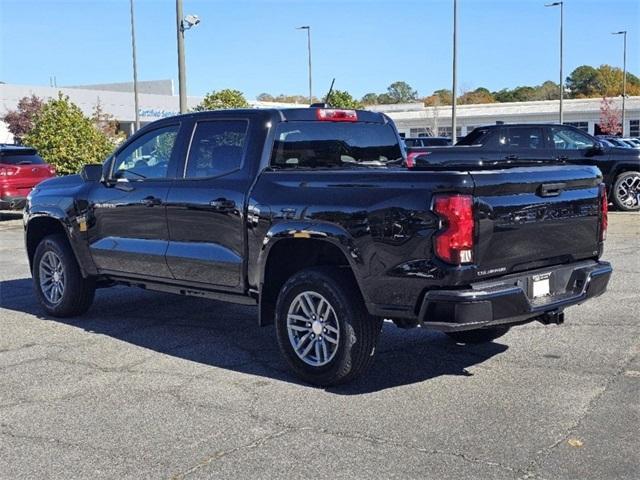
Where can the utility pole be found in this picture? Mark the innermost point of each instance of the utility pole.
(624, 76)
(454, 87)
(182, 80)
(135, 70)
(561, 5)
(308, 29)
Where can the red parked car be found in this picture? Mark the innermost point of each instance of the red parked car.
(21, 169)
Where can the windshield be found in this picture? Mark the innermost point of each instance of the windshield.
(478, 136)
(334, 145)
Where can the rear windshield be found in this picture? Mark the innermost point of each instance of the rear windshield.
(334, 145)
(20, 159)
(478, 136)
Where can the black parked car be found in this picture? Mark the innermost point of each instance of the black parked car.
(529, 144)
(311, 215)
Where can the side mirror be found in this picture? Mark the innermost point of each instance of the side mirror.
(91, 172)
(597, 149)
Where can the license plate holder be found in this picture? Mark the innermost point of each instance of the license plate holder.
(540, 285)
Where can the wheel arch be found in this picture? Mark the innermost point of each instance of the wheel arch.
(287, 250)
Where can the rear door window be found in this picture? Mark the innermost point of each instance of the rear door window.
(217, 148)
(522, 138)
(334, 145)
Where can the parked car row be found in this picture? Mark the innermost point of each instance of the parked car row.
(620, 141)
(542, 144)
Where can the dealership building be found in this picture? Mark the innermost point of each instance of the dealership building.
(157, 100)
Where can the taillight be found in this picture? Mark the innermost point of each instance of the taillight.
(604, 213)
(454, 244)
(8, 171)
(411, 158)
(336, 115)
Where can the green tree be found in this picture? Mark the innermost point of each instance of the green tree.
(343, 99)
(583, 82)
(222, 100)
(385, 99)
(401, 92)
(479, 95)
(265, 97)
(439, 97)
(66, 138)
(369, 99)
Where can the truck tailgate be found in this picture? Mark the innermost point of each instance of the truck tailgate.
(530, 217)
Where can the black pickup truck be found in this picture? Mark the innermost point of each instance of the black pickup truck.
(543, 144)
(312, 215)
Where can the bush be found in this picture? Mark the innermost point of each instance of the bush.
(66, 138)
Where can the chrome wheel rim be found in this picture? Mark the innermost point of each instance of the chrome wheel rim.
(313, 328)
(628, 191)
(52, 277)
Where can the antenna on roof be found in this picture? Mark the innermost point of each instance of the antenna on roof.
(326, 99)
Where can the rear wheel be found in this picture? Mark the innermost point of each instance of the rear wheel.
(60, 287)
(482, 335)
(626, 191)
(324, 331)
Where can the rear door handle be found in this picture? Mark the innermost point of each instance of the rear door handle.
(513, 156)
(151, 201)
(222, 204)
(562, 158)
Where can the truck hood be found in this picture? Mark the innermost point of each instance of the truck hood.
(64, 181)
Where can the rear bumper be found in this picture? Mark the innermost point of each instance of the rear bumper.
(509, 299)
(12, 203)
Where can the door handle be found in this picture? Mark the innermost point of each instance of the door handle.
(511, 157)
(562, 158)
(151, 201)
(222, 204)
(551, 189)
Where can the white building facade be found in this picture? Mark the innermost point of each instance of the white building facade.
(157, 100)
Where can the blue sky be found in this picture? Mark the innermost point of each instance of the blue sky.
(253, 45)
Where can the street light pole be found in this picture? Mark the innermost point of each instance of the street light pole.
(182, 80)
(308, 29)
(561, 5)
(624, 75)
(454, 87)
(135, 70)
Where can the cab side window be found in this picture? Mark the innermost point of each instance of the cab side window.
(569, 139)
(217, 148)
(522, 138)
(148, 156)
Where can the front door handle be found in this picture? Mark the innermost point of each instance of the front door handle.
(151, 201)
(222, 205)
(562, 158)
(512, 156)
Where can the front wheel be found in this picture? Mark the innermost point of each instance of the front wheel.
(323, 329)
(482, 335)
(626, 191)
(60, 287)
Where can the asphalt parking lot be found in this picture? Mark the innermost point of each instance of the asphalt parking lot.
(150, 385)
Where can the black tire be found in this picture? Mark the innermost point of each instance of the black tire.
(358, 331)
(78, 292)
(482, 335)
(626, 190)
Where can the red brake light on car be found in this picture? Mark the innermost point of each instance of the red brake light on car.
(604, 213)
(455, 243)
(336, 115)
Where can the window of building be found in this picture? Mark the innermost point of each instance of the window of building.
(419, 132)
(634, 128)
(581, 125)
(446, 131)
(217, 148)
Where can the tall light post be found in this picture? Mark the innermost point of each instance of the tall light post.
(624, 74)
(561, 5)
(135, 70)
(454, 87)
(308, 29)
(183, 24)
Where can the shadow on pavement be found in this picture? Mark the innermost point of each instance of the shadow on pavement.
(227, 336)
(10, 215)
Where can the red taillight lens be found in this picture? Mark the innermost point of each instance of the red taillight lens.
(8, 171)
(455, 243)
(604, 213)
(335, 115)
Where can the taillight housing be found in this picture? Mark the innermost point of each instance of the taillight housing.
(454, 243)
(604, 213)
(336, 115)
(411, 158)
